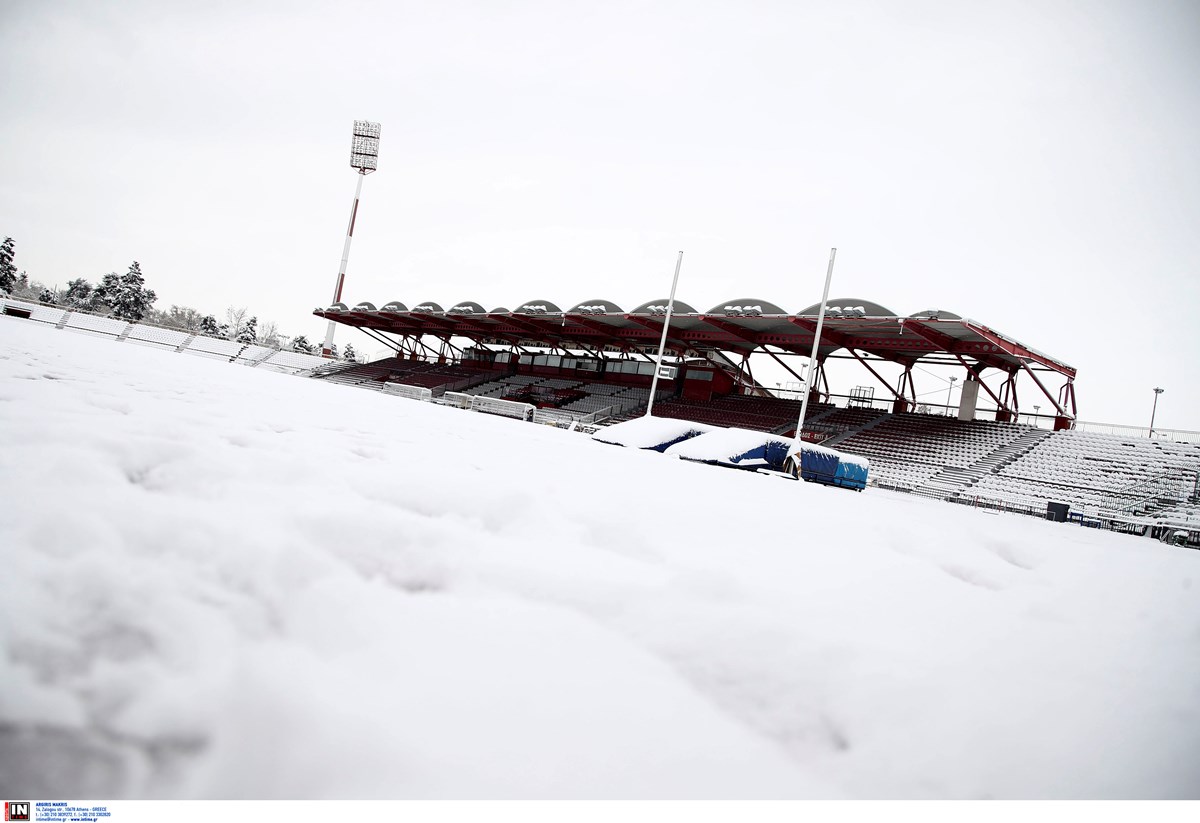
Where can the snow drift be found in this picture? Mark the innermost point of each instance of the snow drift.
(743, 448)
(655, 433)
(225, 584)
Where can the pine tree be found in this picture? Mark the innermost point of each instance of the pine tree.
(132, 299)
(81, 295)
(8, 271)
(47, 295)
(300, 344)
(249, 332)
(208, 326)
(78, 291)
(107, 289)
(350, 354)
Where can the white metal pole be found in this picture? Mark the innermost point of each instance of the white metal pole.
(327, 349)
(812, 361)
(1154, 410)
(662, 343)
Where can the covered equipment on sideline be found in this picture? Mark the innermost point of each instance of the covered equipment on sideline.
(833, 468)
(739, 448)
(656, 433)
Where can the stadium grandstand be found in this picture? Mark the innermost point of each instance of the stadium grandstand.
(593, 365)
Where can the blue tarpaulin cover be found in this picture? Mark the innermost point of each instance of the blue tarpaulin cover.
(834, 468)
(819, 464)
(853, 475)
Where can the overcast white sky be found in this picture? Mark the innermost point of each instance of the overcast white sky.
(1031, 165)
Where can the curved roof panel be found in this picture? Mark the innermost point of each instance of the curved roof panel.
(538, 307)
(935, 314)
(394, 305)
(870, 309)
(466, 307)
(428, 307)
(660, 307)
(597, 306)
(746, 307)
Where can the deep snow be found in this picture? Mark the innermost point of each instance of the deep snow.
(221, 583)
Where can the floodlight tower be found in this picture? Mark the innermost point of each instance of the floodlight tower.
(364, 158)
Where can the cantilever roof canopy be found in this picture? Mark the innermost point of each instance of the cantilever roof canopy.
(741, 325)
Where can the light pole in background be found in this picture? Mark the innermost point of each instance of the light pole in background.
(1154, 410)
(364, 158)
(953, 380)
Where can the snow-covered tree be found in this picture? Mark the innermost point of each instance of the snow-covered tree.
(107, 289)
(81, 295)
(132, 299)
(268, 334)
(235, 322)
(300, 343)
(249, 332)
(8, 270)
(78, 293)
(208, 325)
(350, 354)
(182, 317)
(47, 295)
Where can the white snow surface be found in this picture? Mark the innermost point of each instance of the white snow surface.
(648, 432)
(223, 583)
(844, 457)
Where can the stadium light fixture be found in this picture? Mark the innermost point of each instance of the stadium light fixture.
(953, 380)
(364, 158)
(364, 147)
(1154, 410)
(662, 343)
(812, 361)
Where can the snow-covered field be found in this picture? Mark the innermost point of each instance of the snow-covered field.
(222, 583)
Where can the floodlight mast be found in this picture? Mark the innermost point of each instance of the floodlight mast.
(364, 158)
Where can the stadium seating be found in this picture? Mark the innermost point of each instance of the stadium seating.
(767, 414)
(1097, 473)
(158, 336)
(434, 376)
